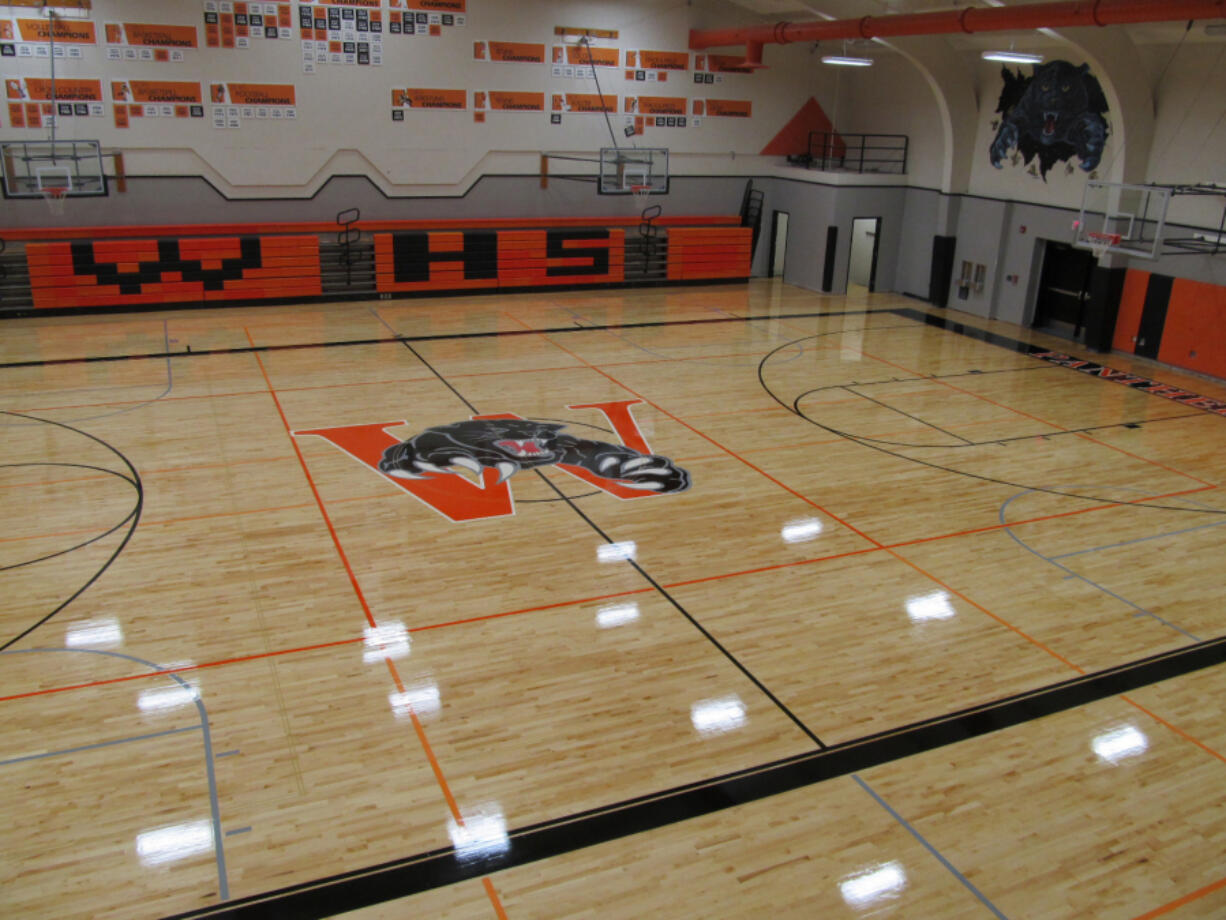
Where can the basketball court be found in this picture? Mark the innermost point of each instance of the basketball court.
(903, 613)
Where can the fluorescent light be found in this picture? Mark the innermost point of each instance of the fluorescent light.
(875, 884)
(801, 530)
(616, 552)
(714, 717)
(1013, 57)
(616, 615)
(421, 698)
(179, 841)
(390, 640)
(1114, 746)
(843, 61)
(934, 606)
(481, 836)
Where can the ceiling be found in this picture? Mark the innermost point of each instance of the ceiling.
(808, 10)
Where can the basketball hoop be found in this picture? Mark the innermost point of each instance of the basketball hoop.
(640, 194)
(1101, 242)
(55, 196)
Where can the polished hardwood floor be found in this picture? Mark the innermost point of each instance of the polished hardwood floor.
(734, 601)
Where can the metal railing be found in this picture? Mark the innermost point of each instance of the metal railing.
(859, 153)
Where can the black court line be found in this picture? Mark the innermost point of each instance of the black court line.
(642, 572)
(440, 337)
(914, 418)
(446, 866)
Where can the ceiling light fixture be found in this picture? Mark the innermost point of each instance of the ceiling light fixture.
(844, 61)
(1013, 57)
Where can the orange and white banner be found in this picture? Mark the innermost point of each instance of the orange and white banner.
(584, 103)
(658, 60)
(156, 91)
(152, 36)
(655, 105)
(155, 99)
(509, 52)
(586, 56)
(430, 6)
(724, 108)
(37, 89)
(68, 31)
(454, 99)
(279, 95)
(495, 100)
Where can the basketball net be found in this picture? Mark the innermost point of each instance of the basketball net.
(55, 198)
(1101, 242)
(641, 194)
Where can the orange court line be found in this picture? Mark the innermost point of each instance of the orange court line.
(1180, 902)
(1179, 731)
(492, 893)
(706, 437)
(536, 609)
(425, 746)
(353, 580)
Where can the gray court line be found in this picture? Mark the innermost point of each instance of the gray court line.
(238, 830)
(1158, 536)
(966, 883)
(223, 885)
(100, 744)
(1141, 611)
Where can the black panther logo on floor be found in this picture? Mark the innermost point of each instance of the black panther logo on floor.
(511, 445)
(1053, 115)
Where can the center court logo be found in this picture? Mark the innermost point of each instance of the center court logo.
(496, 447)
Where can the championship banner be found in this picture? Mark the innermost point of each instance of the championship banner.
(577, 56)
(584, 103)
(68, 31)
(30, 104)
(234, 102)
(62, 4)
(655, 105)
(148, 42)
(658, 60)
(454, 99)
(431, 6)
(509, 52)
(506, 101)
(724, 108)
(155, 99)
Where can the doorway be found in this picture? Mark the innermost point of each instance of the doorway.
(862, 263)
(779, 244)
(1064, 290)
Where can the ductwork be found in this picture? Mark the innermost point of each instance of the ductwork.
(969, 20)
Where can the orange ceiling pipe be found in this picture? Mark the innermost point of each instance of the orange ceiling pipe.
(971, 19)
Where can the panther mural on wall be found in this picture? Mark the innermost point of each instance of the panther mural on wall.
(1051, 116)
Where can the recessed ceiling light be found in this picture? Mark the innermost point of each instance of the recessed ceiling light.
(1013, 57)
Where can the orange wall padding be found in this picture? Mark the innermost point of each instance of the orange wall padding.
(1132, 302)
(107, 273)
(709, 252)
(1192, 336)
(442, 260)
(794, 138)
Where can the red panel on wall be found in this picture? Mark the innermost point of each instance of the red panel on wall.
(1192, 336)
(794, 138)
(1132, 303)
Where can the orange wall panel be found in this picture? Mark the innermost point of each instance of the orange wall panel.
(1192, 336)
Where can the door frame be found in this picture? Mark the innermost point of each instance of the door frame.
(770, 264)
(872, 272)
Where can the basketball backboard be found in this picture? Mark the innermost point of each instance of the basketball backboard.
(1127, 219)
(633, 170)
(31, 167)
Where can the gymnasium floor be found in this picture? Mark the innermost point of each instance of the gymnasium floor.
(936, 629)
